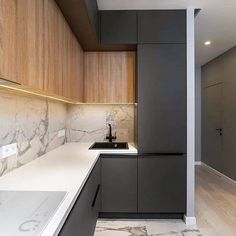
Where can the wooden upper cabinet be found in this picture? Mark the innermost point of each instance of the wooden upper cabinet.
(29, 43)
(8, 40)
(109, 77)
(63, 56)
(38, 49)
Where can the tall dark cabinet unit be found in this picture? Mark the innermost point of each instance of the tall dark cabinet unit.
(162, 116)
(161, 98)
(118, 27)
(94, 15)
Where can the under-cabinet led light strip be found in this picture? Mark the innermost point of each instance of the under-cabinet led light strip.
(58, 99)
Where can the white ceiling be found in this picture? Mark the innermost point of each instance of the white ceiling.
(216, 21)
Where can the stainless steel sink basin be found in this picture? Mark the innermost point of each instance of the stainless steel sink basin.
(111, 145)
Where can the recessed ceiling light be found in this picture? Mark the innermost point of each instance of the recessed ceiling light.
(207, 43)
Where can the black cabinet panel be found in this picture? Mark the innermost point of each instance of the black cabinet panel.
(162, 98)
(83, 216)
(119, 183)
(94, 16)
(162, 184)
(162, 26)
(118, 27)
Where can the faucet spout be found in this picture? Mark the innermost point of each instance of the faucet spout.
(110, 137)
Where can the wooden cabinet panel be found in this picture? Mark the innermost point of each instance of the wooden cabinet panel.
(8, 40)
(64, 73)
(109, 77)
(38, 49)
(29, 43)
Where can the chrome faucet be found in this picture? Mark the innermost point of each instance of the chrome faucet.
(109, 136)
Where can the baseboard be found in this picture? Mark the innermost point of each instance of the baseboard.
(190, 220)
(198, 163)
(105, 215)
(226, 178)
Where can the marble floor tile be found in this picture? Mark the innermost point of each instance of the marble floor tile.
(144, 228)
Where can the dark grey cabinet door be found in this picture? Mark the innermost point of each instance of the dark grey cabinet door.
(83, 216)
(94, 16)
(162, 26)
(118, 27)
(162, 98)
(162, 184)
(119, 183)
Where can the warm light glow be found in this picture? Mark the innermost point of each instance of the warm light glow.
(36, 94)
(207, 43)
(55, 98)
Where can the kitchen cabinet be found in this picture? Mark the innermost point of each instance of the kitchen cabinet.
(39, 50)
(162, 26)
(118, 27)
(94, 15)
(8, 40)
(83, 216)
(162, 116)
(119, 183)
(109, 77)
(161, 183)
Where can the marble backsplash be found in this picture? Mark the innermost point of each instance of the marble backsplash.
(88, 123)
(33, 124)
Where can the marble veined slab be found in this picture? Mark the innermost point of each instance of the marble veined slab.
(145, 228)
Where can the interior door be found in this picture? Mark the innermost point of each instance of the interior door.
(212, 126)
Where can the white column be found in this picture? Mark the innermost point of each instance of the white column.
(190, 214)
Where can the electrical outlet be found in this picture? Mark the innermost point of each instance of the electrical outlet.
(8, 150)
(61, 133)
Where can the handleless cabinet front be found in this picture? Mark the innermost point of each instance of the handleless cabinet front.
(162, 26)
(119, 183)
(162, 115)
(118, 27)
(162, 184)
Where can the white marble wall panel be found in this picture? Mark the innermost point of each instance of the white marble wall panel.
(33, 124)
(88, 123)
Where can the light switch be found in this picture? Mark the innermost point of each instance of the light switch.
(8, 150)
(61, 133)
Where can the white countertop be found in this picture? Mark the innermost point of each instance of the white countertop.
(66, 168)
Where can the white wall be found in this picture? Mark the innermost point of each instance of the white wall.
(190, 214)
(198, 114)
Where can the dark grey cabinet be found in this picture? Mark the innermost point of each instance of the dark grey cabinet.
(162, 98)
(94, 15)
(162, 184)
(162, 26)
(119, 183)
(83, 216)
(118, 27)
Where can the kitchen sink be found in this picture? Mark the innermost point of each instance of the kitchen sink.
(110, 145)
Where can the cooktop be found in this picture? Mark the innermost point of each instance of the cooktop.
(27, 212)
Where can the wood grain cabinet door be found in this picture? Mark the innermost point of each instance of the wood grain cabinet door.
(8, 40)
(38, 49)
(109, 77)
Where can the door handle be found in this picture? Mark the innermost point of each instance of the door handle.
(220, 130)
(95, 197)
